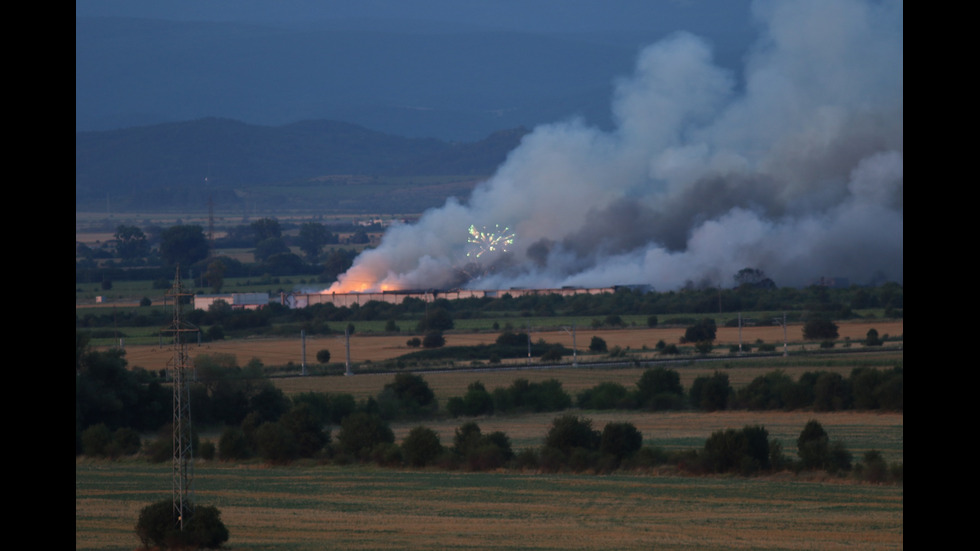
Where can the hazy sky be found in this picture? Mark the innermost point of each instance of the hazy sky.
(730, 134)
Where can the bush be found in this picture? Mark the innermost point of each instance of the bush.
(711, 393)
(233, 445)
(660, 388)
(872, 338)
(608, 395)
(703, 330)
(598, 344)
(96, 440)
(421, 447)
(820, 329)
(620, 440)
(157, 526)
(433, 339)
(744, 451)
(414, 342)
(323, 356)
(704, 347)
(275, 443)
(553, 354)
(569, 432)
(360, 432)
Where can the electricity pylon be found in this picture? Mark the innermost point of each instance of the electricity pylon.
(183, 460)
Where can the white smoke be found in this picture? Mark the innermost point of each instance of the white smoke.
(798, 171)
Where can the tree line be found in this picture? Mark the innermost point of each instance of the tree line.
(114, 405)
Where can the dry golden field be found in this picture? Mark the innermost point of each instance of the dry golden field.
(273, 351)
(306, 508)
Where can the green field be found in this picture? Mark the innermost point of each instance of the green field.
(320, 507)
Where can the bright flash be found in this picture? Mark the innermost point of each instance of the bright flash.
(486, 241)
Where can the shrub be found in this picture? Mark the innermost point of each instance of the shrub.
(598, 344)
(156, 526)
(745, 451)
(421, 447)
(433, 339)
(831, 392)
(362, 431)
(711, 393)
(660, 388)
(620, 440)
(820, 329)
(323, 356)
(275, 443)
(407, 396)
(207, 450)
(703, 330)
(479, 451)
(414, 342)
(607, 395)
(569, 432)
(704, 347)
(96, 440)
(306, 429)
(872, 338)
(553, 354)
(813, 446)
(233, 445)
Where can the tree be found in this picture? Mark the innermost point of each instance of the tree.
(813, 446)
(569, 432)
(660, 388)
(215, 276)
(702, 331)
(269, 247)
(620, 440)
(436, 319)
(745, 451)
(323, 356)
(819, 329)
(872, 338)
(753, 277)
(598, 344)
(362, 431)
(421, 447)
(183, 245)
(131, 242)
(265, 228)
(312, 237)
(408, 395)
(156, 527)
(711, 393)
(433, 339)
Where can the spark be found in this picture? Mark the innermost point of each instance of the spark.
(487, 241)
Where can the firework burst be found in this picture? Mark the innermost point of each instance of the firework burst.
(486, 241)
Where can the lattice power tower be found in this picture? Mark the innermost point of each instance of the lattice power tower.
(183, 460)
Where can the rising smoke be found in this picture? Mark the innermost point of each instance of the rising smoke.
(795, 170)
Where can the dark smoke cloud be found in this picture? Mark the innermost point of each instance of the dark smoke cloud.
(798, 172)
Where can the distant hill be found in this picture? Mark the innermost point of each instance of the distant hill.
(174, 165)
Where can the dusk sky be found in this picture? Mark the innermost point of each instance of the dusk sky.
(671, 143)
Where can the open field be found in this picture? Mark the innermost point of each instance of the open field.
(377, 348)
(316, 507)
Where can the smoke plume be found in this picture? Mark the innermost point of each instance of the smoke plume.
(793, 166)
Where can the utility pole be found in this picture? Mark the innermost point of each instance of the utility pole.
(183, 460)
(574, 348)
(302, 336)
(529, 343)
(347, 349)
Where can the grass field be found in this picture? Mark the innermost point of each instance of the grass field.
(308, 506)
(380, 347)
(314, 508)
